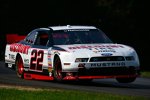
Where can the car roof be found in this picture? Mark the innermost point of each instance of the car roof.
(71, 27)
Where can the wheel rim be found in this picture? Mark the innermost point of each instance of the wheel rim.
(58, 70)
(20, 67)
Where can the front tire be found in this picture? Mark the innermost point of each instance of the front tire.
(126, 80)
(58, 70)
(19, 67)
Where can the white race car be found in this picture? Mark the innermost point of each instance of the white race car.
(71, 53)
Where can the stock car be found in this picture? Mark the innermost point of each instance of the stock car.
(72, 53)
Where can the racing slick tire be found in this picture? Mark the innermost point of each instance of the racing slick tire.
(126, 80)
(58, 76)
(19, 67)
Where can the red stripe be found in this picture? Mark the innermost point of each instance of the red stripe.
(100, 77)
(42, 77)
(70, 78)
(37, 77)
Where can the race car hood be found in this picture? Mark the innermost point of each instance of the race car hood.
(81, 50)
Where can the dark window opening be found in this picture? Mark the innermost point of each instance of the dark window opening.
(42, 39)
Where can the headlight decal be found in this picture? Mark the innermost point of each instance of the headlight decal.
(81, 60)
(129, 58)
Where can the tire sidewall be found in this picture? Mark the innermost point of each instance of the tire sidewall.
(126, 80)
(56, 66)
(20, 75)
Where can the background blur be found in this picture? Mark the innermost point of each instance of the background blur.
(124, 21)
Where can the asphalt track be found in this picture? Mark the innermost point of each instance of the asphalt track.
(141, 87)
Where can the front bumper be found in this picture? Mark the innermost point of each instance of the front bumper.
(106, 72)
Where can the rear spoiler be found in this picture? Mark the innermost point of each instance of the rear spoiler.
(14, 38)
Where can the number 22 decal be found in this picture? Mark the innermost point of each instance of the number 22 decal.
(36, 62)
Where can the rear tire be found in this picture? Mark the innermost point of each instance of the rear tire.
(126, 80)
(58, 70)
(19, 67)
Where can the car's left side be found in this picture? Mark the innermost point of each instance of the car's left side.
(29, 57)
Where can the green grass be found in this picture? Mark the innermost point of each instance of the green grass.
(52, 94)
(145, 74)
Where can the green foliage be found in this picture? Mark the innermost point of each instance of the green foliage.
(14, 94)
(145, 74)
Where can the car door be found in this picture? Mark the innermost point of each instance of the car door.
(39, 52)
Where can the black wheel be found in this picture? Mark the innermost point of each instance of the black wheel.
(126, 80)
(19, 68)
(58, 70)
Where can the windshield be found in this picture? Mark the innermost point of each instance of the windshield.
(79, 36)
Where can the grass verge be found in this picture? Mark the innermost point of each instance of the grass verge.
(145, 74)
(59, 94)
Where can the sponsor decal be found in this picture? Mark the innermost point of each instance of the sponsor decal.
(11, 56)
(26, 66)
(50, 74)
(50, 69)
(49, 56)
(96, 46)
(49, 62)
(16, 47)
(114, 64)
(77, 30)
(26, 61)
(96, 50)
(49, 51)
(49, 59)
(107, 50)
(36, 61)
(9, 65)
(106, 54)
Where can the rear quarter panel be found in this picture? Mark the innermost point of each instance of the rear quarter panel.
(10, 57)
